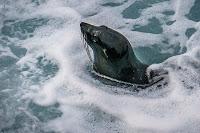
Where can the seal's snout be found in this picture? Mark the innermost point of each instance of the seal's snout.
(82, 24)
(85, 26)
(88, 28)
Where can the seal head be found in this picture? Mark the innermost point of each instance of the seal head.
(113, 54)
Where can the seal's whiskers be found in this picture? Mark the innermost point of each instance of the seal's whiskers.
(86, 47)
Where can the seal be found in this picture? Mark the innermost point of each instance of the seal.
(114, 56)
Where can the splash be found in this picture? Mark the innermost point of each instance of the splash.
(47, 86)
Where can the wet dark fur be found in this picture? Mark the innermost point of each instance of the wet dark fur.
(113, 55)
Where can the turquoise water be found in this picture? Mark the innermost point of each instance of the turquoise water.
(46, 82)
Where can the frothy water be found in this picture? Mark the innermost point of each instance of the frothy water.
(47, 82)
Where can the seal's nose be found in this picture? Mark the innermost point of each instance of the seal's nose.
(82, 24)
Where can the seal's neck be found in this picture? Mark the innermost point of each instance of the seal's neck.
(138, 69)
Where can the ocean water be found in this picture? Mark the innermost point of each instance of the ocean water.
(47, 84)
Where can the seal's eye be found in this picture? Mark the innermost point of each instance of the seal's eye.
(95, 39)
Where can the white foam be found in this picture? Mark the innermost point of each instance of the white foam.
(78, 93)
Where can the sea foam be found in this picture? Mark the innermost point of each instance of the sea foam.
(55, 72)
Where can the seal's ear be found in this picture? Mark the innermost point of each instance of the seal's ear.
(112, 53)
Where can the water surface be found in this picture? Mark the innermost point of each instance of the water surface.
(46, 80)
